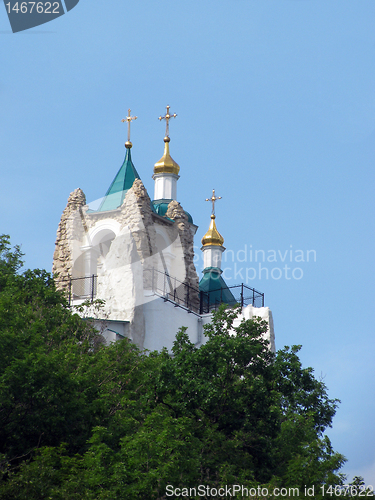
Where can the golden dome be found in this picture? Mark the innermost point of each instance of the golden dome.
(166, 164)
(212, 237)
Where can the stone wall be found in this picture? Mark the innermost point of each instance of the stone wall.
(182, 226)
(70, 229)
(136, 214)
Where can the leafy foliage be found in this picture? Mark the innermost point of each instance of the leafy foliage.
(80, 420)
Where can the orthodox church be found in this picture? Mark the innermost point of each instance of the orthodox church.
(137, 256)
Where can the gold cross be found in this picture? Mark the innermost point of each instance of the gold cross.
(167, 117)
(129, 119)
(213, 199)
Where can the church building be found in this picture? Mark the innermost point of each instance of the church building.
(137, 256)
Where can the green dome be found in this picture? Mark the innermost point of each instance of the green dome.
(161, 206)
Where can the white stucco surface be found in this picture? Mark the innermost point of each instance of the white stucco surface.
(212, 256)
(165, 186)
(250, 312)
(163, 320)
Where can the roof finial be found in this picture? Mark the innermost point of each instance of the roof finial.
(213, 199)
(213, 237)
(129, 119)
(167, 117)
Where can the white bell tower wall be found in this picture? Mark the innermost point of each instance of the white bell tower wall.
(212, 255)
(165, 187)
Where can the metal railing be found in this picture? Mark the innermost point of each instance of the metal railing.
(191, 298)
(83, 288)
(239, 294)
(173, 290)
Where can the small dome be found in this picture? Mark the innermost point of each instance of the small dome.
(166, 164)
(212, 237)
(161, 206)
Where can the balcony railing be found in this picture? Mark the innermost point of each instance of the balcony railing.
(173, 290)
(191, 298)
(82, 288)
(242, 294)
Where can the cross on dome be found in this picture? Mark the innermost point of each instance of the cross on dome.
(213, 199)
(167, 117)
(129, 119)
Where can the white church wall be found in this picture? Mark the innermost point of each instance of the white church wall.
(165, 255)
(120, 278)
(170, 256)
(162, 322)
(250, 312)
(159, 321)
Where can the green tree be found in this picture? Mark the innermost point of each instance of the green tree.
(82, 421)
(56, 382)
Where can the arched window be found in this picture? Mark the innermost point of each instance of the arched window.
(102, 242)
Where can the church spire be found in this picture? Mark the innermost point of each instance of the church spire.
(166, 169)
(124, 178)
(213, 237)
(212, 282)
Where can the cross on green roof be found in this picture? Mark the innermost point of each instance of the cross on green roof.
(121, 184)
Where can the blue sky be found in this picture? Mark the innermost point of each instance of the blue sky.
(276, 111)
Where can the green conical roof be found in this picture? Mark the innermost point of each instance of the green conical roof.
(121, 184)
(213, 283)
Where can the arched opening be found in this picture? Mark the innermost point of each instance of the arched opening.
(85, 267)
(101, 245)
(102, 242)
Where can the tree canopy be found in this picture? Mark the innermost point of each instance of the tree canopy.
(81, 420)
